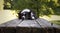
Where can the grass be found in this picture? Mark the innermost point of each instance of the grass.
(56, 22)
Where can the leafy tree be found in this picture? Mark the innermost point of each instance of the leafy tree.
(41, 7)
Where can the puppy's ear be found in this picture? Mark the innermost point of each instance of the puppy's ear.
(19, 16)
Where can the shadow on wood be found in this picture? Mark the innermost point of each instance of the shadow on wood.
(28, 30)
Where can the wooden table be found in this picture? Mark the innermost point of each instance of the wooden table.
(29, 26)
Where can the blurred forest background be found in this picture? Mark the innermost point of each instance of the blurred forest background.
(40, 7)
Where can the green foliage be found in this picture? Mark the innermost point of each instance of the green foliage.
(56, 22)
(41, 7)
